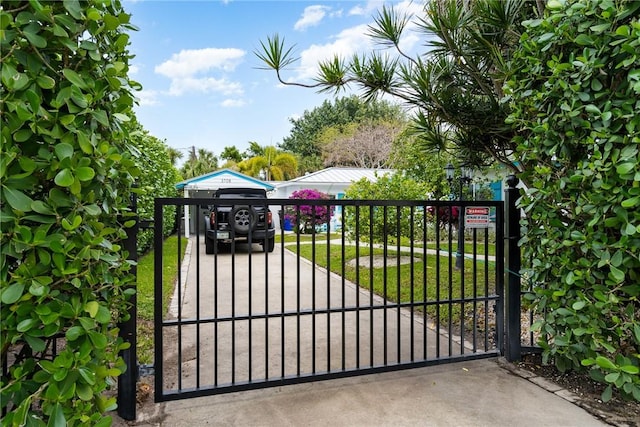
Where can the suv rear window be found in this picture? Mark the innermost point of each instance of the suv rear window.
(240, 196)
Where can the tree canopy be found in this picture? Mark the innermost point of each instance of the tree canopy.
(199, 162)
(305, 139)
(362, 145)
(231, 154)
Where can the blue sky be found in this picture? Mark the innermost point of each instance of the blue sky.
(196, 63)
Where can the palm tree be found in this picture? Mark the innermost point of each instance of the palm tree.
(455, 88)
(254, 150)
(174, 154)
(276, 165)
(199, 163)
(207, 161)
(231, 154)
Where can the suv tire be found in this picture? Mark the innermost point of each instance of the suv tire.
(243, 219)
(269, 246)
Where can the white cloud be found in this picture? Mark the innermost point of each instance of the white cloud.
(190, 71)
(336, 13)
(311, 17)
(409, 41)
(194, 61)
(204, 85)
(148, 97)
(357, 10)
(370, 7)
(410, 7)
(230, 103)
(346, 43)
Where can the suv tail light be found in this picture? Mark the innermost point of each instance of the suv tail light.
(269, 218)
(212, 219)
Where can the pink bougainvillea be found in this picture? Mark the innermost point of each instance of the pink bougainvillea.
(309, 216)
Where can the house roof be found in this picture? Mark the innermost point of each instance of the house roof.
(224, 178)
(338, 175)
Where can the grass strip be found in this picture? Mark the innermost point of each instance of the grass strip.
(145, 293)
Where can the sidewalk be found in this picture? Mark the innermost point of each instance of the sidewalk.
(475, 393)
(472, 393)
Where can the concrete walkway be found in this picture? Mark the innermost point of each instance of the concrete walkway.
(476, 393)
(472, 393)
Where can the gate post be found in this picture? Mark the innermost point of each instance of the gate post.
(513, 290)
(127, 381)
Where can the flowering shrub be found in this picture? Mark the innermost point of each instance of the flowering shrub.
(306, 217)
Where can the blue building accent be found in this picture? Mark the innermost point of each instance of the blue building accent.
(496, 187)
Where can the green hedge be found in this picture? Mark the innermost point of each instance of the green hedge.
(66, 177)
(574, 96)
(158, 180)
(387, 187)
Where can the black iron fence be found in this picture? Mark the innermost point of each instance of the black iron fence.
(351, 287)
(354, 287)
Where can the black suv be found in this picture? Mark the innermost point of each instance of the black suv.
(242, 222)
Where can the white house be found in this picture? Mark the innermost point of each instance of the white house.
(333, 181)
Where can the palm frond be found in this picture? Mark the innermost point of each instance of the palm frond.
(388, 27)
(274, 54)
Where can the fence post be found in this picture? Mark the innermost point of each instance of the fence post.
(513, 290)
(127, 381)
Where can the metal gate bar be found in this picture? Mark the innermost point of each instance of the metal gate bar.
(248, 319)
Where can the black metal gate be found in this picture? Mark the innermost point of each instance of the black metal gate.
(376, 286)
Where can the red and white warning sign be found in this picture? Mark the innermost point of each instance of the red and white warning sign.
(476, 217)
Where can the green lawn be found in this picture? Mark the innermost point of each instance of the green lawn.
(412, 277)
(145, 292)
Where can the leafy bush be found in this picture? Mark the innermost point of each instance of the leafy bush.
(387, 187)
(66, 176)
(158, 180)
(306, 218)
(574, 94)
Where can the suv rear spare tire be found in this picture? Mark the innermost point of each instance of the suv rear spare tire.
(243, 219)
